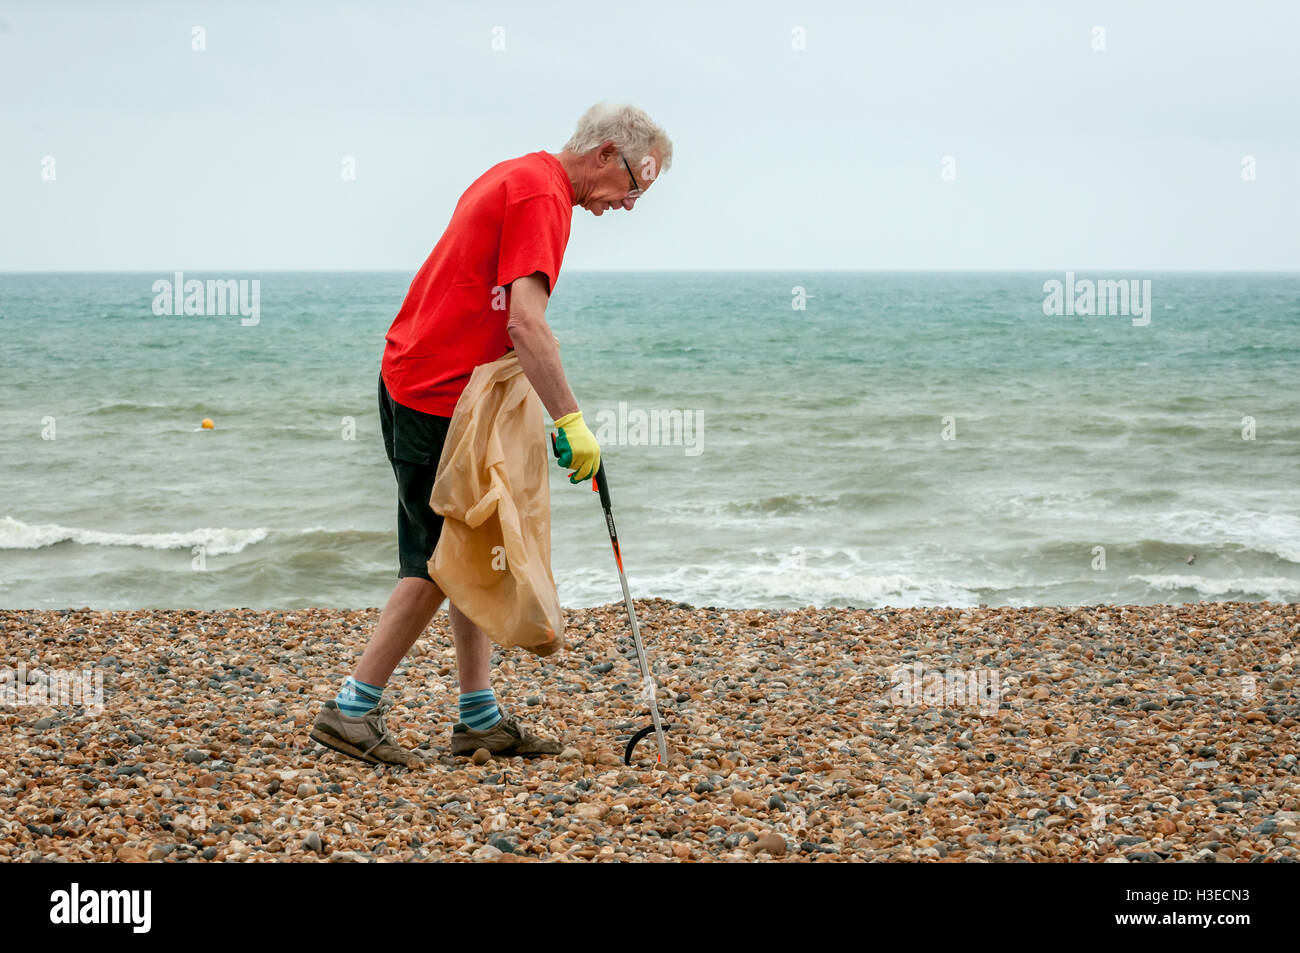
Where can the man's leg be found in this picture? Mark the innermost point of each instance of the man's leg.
(352, 722)
(408, 612)
(477, 703)
(413, 443)
(482, 723)
(473, 652)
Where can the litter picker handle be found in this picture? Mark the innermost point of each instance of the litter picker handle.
(599, 482)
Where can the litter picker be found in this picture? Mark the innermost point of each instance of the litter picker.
(600, 483)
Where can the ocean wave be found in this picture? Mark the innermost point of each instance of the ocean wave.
(129, 406)
(1272, 588)
(1115, 515)
(742, 512)
(15, 534)
(1277, 534)
(754, 586)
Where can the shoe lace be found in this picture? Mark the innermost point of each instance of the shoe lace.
(510, 724)
(376, 718)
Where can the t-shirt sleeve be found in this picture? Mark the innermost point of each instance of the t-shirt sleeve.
(532, 239)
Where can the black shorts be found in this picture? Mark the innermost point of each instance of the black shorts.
(413, 441)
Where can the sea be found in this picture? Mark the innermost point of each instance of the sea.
(772, 439)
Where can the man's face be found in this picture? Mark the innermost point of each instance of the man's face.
(616, 176)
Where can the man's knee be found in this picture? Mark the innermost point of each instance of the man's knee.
(422, 588)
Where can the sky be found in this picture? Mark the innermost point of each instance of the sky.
(919, 135)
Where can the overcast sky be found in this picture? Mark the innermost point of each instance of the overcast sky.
(1065, 156)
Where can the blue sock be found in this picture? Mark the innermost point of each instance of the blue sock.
(479, 709)
(357, 698)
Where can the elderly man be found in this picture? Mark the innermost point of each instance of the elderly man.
(504, 245)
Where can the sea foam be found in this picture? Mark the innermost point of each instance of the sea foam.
(15, 534)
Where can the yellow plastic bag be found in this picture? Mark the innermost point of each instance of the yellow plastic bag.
(493, 558)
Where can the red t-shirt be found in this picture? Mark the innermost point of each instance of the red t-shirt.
(513, 221)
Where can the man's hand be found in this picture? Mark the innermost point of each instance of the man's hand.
(577, 447)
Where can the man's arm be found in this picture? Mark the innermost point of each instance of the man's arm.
(538, 354)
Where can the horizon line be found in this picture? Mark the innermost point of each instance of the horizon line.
(653, 271)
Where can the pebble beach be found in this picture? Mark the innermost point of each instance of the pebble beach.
(1104, 733)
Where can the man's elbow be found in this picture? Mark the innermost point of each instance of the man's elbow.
(524, 319)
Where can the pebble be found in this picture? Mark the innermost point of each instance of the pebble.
(482, 756)
(791, 748)
(774, 844)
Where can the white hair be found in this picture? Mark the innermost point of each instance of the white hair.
(628, 127)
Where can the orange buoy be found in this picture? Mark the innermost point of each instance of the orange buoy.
(207, 423)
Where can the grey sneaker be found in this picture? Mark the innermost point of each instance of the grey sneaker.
(365, 737)
(506, 737)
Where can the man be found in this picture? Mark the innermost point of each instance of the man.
(482, 291)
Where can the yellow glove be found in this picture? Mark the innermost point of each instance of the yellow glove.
(577, 447)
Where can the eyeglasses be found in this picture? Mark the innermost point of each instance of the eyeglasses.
(636, 189)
